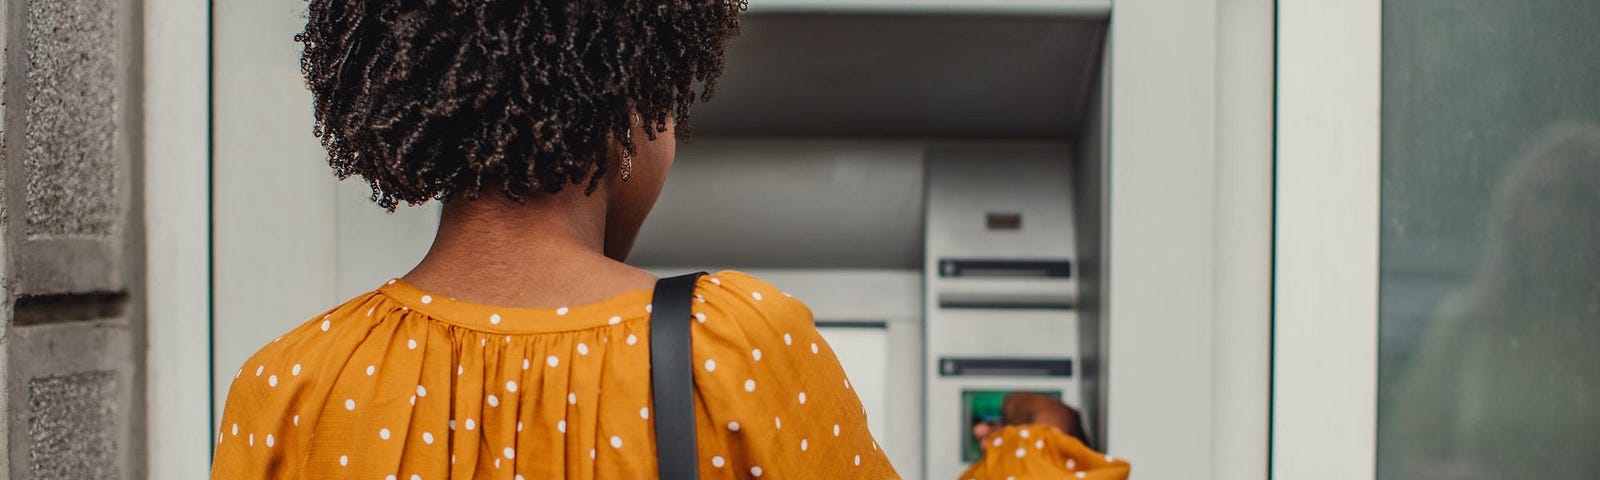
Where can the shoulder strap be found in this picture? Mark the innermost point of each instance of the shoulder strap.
(672, 377)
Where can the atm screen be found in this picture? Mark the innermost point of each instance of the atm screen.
(980, 406)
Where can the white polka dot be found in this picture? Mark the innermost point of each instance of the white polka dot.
(716, 281)
(252, 439)
(1021, 452)
(786, 294)
(391, 477)
(591, 454)
(572, 398)
(1110, 458)
(562, 426)
(847, 384)
(295, 369)
(788, 340)
(1072, 464)
(472, 424)
(755, 295)
(383, 434)
(996, 441)
(700, 317)
(552, 361)
(756, 353)
(1039, 444)
(583, 348)
(349, 404)
(511, 385)
(858, 460)
(496, 463)
(460, 370)
(632, 339)
(371, 369)
(813, 348)
(616, 442)
(750, 385)
(426, 299)
(325, 325)
(270, 441)
(561, 311)
(1023, 433)
(614, 320)
(421, 391)
(733, 426)
(519, 426)
(644, 412)
(835, 429)
(777, 422)
(755, 471)
(272, 381)
(802, 398)
(494, 319)
(494, 401)
(427, 438)
(370, 310)
(452, 425)
(259, 369)
(651, 308)
(526, 364)
(711, 365)
(1081, 475)
(700, 299)
(344, 460)
(718, 462)
(296, 420)
(416, 477)
(509, 453)
(804, 445)
(411, 343)
(519, 477)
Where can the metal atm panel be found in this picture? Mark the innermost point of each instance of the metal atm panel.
(1000, 290)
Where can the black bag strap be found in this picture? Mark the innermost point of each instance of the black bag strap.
(672, 377)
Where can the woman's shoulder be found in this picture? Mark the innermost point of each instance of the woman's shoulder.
(736, 292)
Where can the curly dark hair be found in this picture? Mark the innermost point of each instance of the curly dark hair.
(427, 99)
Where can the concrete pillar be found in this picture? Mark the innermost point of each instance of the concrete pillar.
(71, 233)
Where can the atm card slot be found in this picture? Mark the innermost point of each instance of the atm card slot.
(1005, 367)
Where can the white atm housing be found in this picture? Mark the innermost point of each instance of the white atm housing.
(850, 152)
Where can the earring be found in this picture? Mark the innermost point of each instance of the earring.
(627, 156)
(627, 165)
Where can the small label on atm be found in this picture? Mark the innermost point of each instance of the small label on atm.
(1005, 221)
(1005, 367)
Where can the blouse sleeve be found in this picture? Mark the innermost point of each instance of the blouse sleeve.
(772, 398)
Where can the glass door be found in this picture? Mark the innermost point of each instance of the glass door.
(1438, 251)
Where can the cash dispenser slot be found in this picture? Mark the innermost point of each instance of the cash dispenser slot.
(1005, 367)
(1042, 269)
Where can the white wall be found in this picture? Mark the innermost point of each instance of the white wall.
(178, 388)
(273, 195)
(1161, 262)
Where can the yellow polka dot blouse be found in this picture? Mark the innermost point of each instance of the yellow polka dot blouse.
(401, 384)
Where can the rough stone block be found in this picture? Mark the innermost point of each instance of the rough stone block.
(68, 416)
(68, 191)
(71, 401)
(71, 123)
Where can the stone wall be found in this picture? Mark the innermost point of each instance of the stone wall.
(71, 233)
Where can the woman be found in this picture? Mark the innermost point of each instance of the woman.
(518, 347)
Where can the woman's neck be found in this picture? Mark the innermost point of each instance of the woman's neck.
(544, 252)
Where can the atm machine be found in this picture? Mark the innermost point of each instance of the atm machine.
(930, 184)
(1000, 291)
